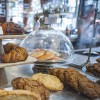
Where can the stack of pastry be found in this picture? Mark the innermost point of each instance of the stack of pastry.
(11, 28)
(45, 55)
(13, 53)
(77, 81)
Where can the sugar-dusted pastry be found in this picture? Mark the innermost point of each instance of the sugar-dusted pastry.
(18, 95)
(49, 81)
(31, 85)
(77, 81)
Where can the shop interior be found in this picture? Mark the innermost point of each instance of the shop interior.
(75, 18)
(49, 49)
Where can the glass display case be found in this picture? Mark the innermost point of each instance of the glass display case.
(48, 39)
(49, 47)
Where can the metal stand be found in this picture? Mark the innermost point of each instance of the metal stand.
(41, 68)
(3, 76)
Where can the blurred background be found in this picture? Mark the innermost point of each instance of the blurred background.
(75, 18)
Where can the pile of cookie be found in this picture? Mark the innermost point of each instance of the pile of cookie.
(56, 80)
(45, 55)
(41, 84)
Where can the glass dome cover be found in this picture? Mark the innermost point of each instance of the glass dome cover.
(49, 40)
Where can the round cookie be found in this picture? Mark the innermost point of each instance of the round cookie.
(37, 53)
(49, 81)
(48, 55)
(31, 85)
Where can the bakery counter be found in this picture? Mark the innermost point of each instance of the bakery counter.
(66, 93)
(26, 71)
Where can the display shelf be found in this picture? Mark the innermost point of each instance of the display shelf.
(3, 77)
(29, 60)
(12, 36)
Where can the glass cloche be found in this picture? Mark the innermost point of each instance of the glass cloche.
(48, 45)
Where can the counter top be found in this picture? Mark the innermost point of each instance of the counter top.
(26, 71)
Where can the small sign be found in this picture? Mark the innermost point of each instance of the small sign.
(1, 31)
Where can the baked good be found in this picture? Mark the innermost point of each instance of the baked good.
(18, 95)
(45, 55)
(49, 81)
(55, 59)
(31, 85)
(94, 69)
(13, 53)
(78, 82)
(9, 46)
(48, 55)
(11, 28)
(37, 53)
(59, 72)
(98, 60)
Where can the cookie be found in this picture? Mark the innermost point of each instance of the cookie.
(18, 95)
(48, 55)
(55, 58)
(49, 81)
(31, 85)
(37, 53)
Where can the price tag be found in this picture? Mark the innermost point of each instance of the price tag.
(1, 31)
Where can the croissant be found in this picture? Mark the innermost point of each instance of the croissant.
(9, 46)
(14, 53)
(77, 81)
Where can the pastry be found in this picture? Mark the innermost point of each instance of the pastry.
(45, 55)
(98, 60)
(49, 81)
(31, 85)
(77, 81)
(94, 68)
(9, 46)
(18, 95)
(55, 58)
(59, 72)
(48, 55)
(37, 53)
(13, 53)
(11, 28)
